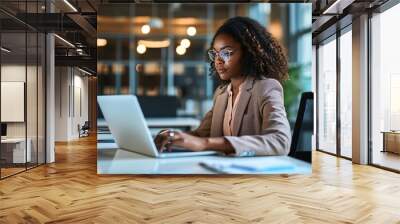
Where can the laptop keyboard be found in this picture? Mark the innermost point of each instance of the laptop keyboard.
(174, 150)
(177, 150)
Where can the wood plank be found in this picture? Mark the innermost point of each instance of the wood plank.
(70, 191)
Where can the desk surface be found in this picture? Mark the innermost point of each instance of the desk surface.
(175, 121)
(164, 122)
(390, 132)
(112, 160)
(13, 140)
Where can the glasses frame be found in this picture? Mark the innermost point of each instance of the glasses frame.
(219, 54)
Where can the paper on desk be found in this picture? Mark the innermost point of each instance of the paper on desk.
(248, 166)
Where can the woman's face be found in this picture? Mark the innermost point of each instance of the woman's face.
(228, 68)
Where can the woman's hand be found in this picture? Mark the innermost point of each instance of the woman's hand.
(161, 140)
(167, 138)
(188, 141)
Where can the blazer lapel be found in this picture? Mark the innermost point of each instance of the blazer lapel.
(238, 117)
(218, 115)
(243, 101)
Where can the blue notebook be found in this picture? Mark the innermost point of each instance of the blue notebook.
(248, 167)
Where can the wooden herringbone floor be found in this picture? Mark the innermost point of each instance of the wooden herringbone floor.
(70, 191)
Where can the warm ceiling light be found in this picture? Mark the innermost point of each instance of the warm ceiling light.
(65, 41)
(118, 68)
(141, 49)
(70, 5)
(180, 50)
(154, 43)
(188, 21)
(101, 42)
(5, 50)
(275, 28)
(185, 43)
(146, 29)
(191, 31)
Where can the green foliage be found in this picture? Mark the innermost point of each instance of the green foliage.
(292, 91)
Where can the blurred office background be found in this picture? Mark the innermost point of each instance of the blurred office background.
(158, 52)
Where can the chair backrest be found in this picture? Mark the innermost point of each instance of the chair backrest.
(301, 145)
(86, 125)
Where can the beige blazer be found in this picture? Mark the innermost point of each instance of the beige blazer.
(261, 126)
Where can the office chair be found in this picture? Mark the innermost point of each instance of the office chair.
(84, 130)
(301, 145)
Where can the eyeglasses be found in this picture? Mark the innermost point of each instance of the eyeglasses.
(224, 54)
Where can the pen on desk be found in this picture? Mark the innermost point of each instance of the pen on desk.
(211, 168)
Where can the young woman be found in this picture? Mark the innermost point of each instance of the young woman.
(248, 117)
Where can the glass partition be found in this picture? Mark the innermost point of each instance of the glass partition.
(22, 89)
(327, 96)
(14, 153)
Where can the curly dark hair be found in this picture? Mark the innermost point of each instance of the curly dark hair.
(263, 56)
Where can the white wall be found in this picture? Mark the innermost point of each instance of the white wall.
(62, 81)
(71, 94)
(16, 73)
(11, 73)
(80, 110)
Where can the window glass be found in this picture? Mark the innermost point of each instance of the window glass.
(327, 96)
(385, 88)
(346, 94)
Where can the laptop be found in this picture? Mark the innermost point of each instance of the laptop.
(128, 126)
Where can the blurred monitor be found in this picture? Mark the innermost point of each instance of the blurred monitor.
(3, 129)
(159, 106)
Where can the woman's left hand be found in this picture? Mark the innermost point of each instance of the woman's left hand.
(188, 141)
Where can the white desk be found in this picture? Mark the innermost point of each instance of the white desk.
(112, 160)
(177, 122)
(172, 122)
(18, 152)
